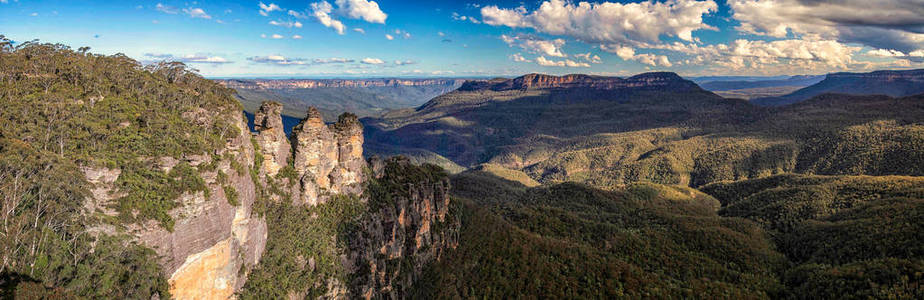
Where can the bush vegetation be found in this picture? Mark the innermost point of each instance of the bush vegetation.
(65, 110)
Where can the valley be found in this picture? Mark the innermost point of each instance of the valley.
(122, 180)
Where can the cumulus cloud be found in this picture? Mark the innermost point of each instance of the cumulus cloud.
(368, 11)
(296, 37)
(608, 22)
(196, 13)
(321, 11)
(535, 44)
(519, 58)
(389, 37)
(542, 61)
(372, 61)
(628, 54)
(360, 30)
(405, 62)
(277, 36)
(881, 24)
(266, 9)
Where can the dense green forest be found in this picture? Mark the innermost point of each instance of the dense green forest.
(787, 236)
(65, 110)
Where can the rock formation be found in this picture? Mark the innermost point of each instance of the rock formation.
(215, 241)
(328, 158)
(399, 238)
(212, 240)
(658, 80)
(271, 138)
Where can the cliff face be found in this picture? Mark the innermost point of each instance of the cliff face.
(400, 237)
(212, 239)
(660, 80)
(403, 225)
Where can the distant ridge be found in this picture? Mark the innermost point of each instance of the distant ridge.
(798, 80)
(890, 83)
(659, 80)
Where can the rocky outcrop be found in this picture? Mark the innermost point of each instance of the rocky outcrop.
(212, 240)
(401, 236)
(658, 80)
(328, 158)
(215, 241)
(271, 138)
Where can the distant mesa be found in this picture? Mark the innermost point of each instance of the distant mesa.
(890, 83)
(660, 80)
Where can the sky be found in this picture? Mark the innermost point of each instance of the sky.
(362, 38)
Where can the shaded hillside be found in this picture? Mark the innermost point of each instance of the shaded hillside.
(472, 125)
(574, 241)
(801, 80)
(781, 237)
(856, 236)
(687, 136)
(891, 83)
(363, 97)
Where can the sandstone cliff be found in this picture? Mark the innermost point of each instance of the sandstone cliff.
(654, 80)
(220, 234)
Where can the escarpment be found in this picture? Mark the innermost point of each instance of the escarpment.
(341, 226)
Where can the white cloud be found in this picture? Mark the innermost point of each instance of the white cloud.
(278, 60)
(189, 58)
(296, 37)
(277, 36)
(266, 9)
(519, 58)
(885, 53)
(332, 60)
(404, 63)
(456, 16)
(196, 13)
(297, 14)
(404, 34)
(368, 11)
(389, 37)
(628, 54)
(589, 58)
(372, 61)
(608, 22)
(535, 44)
(360, 30)
(287, 24)
(321, 11)
(542, 61)
(166, 9)
(881, 24)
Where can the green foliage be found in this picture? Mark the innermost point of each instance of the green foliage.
(297, 237)
(46, 237)
(110, 111)
(848, 236)
(572, 241)
(231, 194)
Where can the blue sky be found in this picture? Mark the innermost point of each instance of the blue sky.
(361, 38)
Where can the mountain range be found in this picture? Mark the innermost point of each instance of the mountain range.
(891, 83)
(363, 97)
